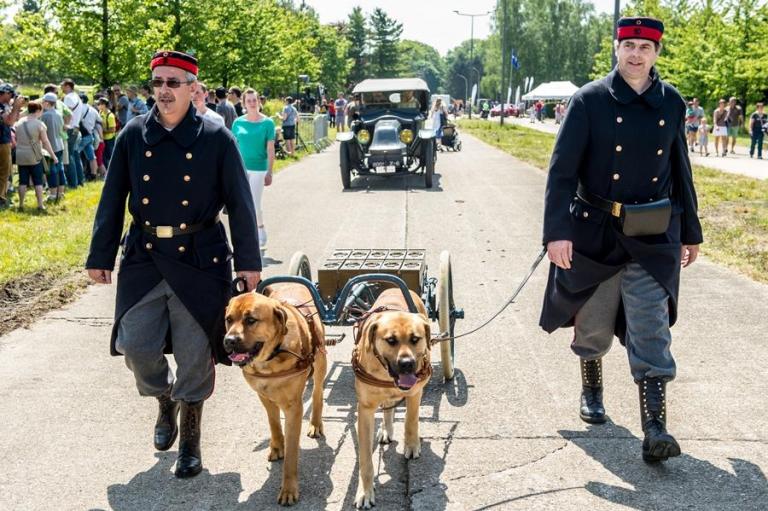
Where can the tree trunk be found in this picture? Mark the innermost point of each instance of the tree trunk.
(105, 78)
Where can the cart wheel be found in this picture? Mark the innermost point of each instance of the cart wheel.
(299, 266)
(344, 165)
(429, 163)
(445, 319)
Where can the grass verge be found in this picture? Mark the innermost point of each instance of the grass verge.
(733, 208)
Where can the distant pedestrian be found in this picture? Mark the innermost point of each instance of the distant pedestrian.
(234, 96)
(735, 121)
(10, 114)
(758, 124)
(290, 117)
(54, 124)
(146, 93)
(109, 125)
(331, 114)
(224, 109)
(136, 106)
(199, 96)
(31, 138)
(703, 137)
(720, 127)
(340, 106)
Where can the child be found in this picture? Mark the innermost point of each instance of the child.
(703, 137)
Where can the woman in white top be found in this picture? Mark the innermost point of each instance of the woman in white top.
(439, 118)
(31, 138)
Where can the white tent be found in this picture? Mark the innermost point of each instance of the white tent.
(551, 90)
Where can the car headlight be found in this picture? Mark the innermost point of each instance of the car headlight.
(364, 136)
(406, 136)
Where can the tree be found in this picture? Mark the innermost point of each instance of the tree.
(385, 35)
(357, 37)
(423, 61)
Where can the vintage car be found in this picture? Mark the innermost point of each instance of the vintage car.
(390, 135)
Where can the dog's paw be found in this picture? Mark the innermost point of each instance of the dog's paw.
(288, 495)
(276, 452)
(315, 431)
(383, 437)
(413, 451)
(365, 499)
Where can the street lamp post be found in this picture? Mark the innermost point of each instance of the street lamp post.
(472, 42)
(466, 88)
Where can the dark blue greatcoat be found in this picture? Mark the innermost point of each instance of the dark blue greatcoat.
(176, 178)
(628, 148)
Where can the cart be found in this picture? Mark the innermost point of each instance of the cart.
(350, 280)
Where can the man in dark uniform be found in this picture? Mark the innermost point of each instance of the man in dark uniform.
(620, 220)
(177, 170)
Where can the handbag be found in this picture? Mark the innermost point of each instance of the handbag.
(35, 146)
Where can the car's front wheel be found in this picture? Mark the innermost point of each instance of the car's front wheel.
(429, 162)
(345, 167)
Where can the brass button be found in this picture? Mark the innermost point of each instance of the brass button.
(187, 178)
(655, 179)
(185, 202)
(660, 152)
(616, 177)
(619, 119)
(146, 177)
(183, 226)
(146, 222)
(661, 122)
(189, 156)
(148, 246)
(148, 154)
(215, 259)
(586, 214)
(145, 201)
(182, 249)
(618, 148)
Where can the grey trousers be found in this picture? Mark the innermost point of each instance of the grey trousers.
(646, 309)
(141, 338)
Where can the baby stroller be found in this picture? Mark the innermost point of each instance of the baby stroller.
(279, 151)
(450, 138)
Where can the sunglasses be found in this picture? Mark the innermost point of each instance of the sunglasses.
(172, 83)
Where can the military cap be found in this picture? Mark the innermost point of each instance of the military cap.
(640, 28)
(175, 59)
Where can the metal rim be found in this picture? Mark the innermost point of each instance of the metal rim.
(299, 266)
(445, 308)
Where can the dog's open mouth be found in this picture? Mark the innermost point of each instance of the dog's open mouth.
(406, 381)
(241, 359)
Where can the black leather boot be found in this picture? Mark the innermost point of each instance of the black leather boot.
(190, 462)
(658, 445)
(592, 409)
(166, 427)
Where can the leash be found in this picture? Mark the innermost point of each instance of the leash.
(444, 335)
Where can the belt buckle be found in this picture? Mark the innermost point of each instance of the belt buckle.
(164, 231)
(616, 209)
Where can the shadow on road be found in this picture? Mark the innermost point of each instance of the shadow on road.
(372, 184)
(680, 483)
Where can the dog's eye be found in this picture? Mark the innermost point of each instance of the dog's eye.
(415, 339)
(228, 319)
(250, 321)
(392, 341)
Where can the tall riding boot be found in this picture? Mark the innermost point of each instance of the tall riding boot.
(190, 462)
(592, 409)
(166, 427)
(658, 445)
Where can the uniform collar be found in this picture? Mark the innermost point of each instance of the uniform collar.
(623, 93)
(184, 134)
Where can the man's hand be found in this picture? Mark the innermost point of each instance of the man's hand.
(561, 253)
(689, 255)
(100, 276)
(252, 278)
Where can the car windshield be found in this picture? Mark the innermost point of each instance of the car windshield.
(407, 99)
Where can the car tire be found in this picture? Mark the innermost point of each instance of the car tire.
(345, 167)
(429, 162)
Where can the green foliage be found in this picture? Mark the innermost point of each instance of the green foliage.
(385, 36)
(422, 61)
(357, 37)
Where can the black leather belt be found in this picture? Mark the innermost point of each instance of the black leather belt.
(169, 231)
(610, 207)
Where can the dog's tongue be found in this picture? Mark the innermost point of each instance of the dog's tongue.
(407, 380)
(238, 357)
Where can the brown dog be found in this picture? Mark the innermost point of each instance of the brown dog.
(278, 348)
(391, 362)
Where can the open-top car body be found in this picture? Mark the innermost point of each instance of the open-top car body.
(389, 137)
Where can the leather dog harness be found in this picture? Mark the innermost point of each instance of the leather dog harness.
(366, 377)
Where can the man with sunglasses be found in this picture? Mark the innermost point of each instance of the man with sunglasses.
(177, 171)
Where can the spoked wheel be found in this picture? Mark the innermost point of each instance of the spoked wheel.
(445, 318)
(299, 266)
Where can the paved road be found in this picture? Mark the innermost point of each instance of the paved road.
(504, 434)
(739, 163)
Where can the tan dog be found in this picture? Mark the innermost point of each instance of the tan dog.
(391, 361)
(277, 348)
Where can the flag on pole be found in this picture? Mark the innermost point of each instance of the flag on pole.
(515, 61)
(530, 86)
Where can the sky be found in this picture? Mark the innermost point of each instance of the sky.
(430, 21)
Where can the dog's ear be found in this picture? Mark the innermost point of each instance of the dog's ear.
(427, 331)
(281, 317)
(372, 334)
